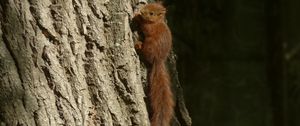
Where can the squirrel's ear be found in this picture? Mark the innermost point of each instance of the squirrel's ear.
(159, 2)
(162, 10)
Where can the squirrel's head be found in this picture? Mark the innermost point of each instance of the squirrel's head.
(153, 12)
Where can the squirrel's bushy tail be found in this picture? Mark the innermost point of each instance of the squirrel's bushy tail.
(161, 97)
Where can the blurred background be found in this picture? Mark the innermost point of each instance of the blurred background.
(238, 60)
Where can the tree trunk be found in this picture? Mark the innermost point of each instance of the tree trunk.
(71, 62)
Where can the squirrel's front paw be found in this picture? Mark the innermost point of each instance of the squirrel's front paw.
(138, 45)
(136, 14)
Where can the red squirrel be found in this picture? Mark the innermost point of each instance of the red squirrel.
(155, 50)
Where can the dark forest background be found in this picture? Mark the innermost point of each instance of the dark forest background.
(238, 60)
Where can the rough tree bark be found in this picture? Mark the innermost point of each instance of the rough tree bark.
(71, 62)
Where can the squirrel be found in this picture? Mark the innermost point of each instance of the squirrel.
(155, 50)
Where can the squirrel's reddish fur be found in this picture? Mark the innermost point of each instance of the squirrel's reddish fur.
(155, 49)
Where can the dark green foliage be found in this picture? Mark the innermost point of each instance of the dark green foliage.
(239, 60)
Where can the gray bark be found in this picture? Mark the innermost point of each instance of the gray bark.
(69, 62)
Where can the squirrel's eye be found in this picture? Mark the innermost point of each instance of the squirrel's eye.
(151, 13)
